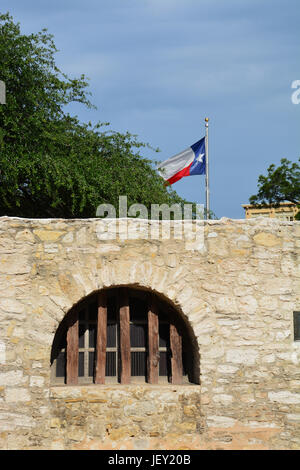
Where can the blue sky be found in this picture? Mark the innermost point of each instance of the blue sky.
(157, 68)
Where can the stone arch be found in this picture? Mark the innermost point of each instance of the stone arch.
(191, 344)
(170, 283)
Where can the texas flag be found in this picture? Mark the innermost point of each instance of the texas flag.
(187, 163)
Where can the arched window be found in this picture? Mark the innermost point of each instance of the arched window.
(123, 335)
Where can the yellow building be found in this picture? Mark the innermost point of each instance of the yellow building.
(285, 211)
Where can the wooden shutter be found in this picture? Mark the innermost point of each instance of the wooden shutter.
(124, 320)
(176, 355)
(153, 344)
(101, 338)
(72, 350)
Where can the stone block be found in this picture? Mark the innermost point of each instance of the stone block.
(17, 395)
(266, 239)
(247, 357)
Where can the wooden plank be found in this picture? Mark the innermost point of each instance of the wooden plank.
(101, 338)
(72, 349)
(124, 320)
(176, 355)
(153, 342)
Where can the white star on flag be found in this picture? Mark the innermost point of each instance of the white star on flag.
(200, 158)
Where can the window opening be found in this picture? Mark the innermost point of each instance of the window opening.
(122, 335)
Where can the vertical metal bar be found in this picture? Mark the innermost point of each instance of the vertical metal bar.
(86, 344)
(207, 169)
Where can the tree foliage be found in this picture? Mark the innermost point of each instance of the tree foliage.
(51, 164)
(281, 184)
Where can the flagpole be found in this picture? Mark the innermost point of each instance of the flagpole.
(206, 168)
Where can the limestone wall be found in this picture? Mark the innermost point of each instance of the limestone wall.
(238, 292)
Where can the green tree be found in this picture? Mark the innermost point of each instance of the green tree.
(51, 164)
(281, 184)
